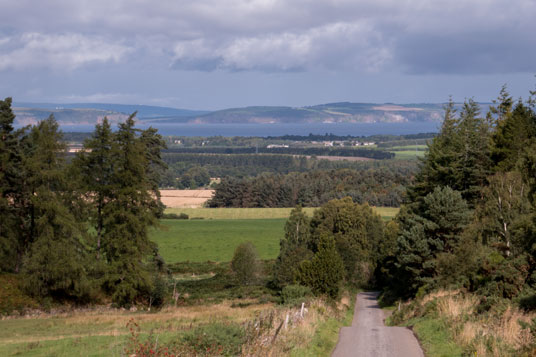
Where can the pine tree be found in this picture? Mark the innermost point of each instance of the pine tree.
(458, 157)
(94, 166)
(325, 271)
(131, 210)
(423, 237)
(10, 188)
(293, 247)
(55, 263)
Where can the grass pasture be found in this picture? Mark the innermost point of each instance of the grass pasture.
(105, 333)
(259, 213)
(216, 239)
(237, 213)
(408, 154)
(216, 236)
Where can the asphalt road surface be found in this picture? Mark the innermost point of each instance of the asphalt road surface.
(369, 337)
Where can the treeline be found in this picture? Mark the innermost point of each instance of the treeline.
(469, 221)
(183, 167)
(79, 230)
(382, 186)
(470, 218)
(309, 151)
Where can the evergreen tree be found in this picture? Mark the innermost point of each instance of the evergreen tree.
(56, 262)
(131, 210)
(325, 271)
(513, 133)
(10, 188)
(435, 229)
(293, 247)
(458, 157)
(95, 167)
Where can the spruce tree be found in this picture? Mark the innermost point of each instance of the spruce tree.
(94, 166)
(10, 170)
(55, 264)
(423, 237)
(131, 210)
(293, 247)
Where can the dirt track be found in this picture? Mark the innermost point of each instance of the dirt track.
(369, 337)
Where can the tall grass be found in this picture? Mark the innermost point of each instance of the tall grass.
(455, 314)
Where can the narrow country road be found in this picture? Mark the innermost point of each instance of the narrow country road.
(369, 337)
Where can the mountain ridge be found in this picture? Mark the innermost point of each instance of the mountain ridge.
(338, 112)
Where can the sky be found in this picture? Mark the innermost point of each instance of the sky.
(215, 54)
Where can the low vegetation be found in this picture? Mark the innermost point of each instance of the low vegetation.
(455, 322)
(259, 213)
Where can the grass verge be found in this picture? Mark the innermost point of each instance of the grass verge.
(327, 334)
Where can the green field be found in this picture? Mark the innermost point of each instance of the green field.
(237, 213)
(258, 213)
(216, 236)
(408, 154)
(409, 147)
(216, 240)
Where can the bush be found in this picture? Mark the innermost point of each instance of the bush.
(175, 216)
(215, 339)
(324, 273)
(245, 263)
(294, 294)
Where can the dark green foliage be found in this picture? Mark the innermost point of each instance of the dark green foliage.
(379, 186)
(245, 263)
(294, 294)
(425, 234)
(10, 189)
(458, 157)
(325, 271)
(95, 166)
(357, 232)
(132, 208)
(175, 216)
(158, 292)
(514, 131)
(500, 277)
(293, 247)
(317, 151)
(55, 263)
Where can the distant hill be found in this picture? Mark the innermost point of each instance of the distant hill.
(90, 113)
(344, 112)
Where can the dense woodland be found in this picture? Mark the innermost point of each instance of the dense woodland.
(379, 186)
(308, 151)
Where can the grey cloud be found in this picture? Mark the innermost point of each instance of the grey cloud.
(412, 36)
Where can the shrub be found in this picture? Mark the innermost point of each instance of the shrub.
(245, 263)
(294, 294)
(324, 273)
(175, 216)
